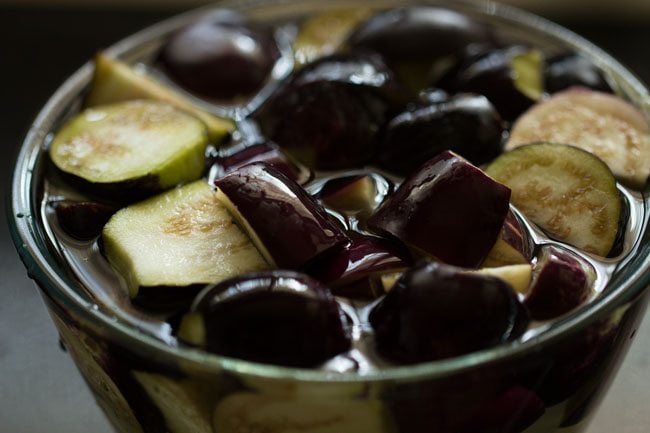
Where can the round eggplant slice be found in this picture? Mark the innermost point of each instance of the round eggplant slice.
(606, 125)
(130, 148)
(277, 317)
(568, 192)
(176, 240)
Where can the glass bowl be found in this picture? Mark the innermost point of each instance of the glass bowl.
(551, 382)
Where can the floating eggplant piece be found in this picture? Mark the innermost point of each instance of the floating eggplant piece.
(448, 208)
(329, 113)
(568, 192)
(176, 241)
(513, 246)
(511, 78)
(363, 257)
(247, 411)
(220, 58)
(561, 282)
(413, 39)
(600, 123)
(569, 70)
(82, 220)
(180, 402)
(513, 411)
(322, 34)
(437, 311)
(286, 224)
(276, 317)
(266, 152)
(466, 124)
(114, 81)
(130, 149)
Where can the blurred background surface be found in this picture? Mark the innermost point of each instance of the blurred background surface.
(42, 42)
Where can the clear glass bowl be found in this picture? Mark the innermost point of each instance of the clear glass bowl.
(549, 383)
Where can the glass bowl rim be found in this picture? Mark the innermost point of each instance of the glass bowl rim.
(32, 247)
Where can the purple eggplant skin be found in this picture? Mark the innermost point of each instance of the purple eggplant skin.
(491, 74)
(361, 258)
(276, 317)
(448, 208)
(412, 40)
(437, 311)
(265, 151)
(329, 113)
(82, 220)
(569, 69)
(290, 224)
(560, 284)
(220, 59)
(466, 124)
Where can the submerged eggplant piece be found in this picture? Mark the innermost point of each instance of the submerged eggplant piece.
(561, 282)
(176, 241)
(286, 224)
(437, 311)
(567, 191)
(130, 149)
(247, 411)
(277, 317)
(448, 209)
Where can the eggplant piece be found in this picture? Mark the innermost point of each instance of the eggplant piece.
(276, 317)
(115, 81)
(246, 411)
(219, 58)
(82, 220)
(130, 149)
(176, 241)
(437, 311)
(561, 282)
(181, 404)
(603, 124)
(448, 209)
(513, 246)
(568, 192)
(286, 224)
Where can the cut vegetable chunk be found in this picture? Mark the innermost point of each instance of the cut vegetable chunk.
(178, 239)
(115, 81)
(568, 192)
(134, 147)
(597, 122)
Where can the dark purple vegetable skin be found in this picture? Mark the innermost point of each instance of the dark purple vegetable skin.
(266, 152)
(362, 257)
(276, 317)
(220, 59)
(560, 284)
(448, 208)
(83, 220)
(291, 225)
(490, 73)
(329, 113)
(466, 124)
(412, 40)
(437, 311)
